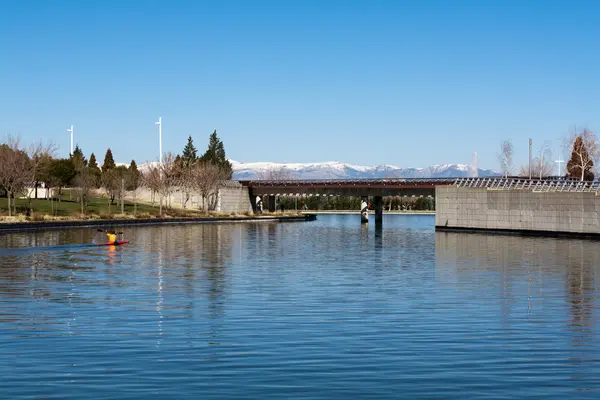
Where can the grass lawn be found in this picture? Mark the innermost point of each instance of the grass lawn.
(96, 208)
(68, 207)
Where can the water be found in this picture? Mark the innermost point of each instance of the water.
(323, 309)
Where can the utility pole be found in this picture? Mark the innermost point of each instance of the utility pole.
(529, 158)
(559, 161)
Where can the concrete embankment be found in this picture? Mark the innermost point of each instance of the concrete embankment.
(522, 211)
(44, 225)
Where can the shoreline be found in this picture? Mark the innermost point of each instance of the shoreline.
(520, 232)
(65, 224)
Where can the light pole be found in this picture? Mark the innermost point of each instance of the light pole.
(559, 161)
(159, 123)
(71, 131)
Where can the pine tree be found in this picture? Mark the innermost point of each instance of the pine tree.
(78, 158)
(109, 162)
(580, 164)
(95, 173)
(133, 176)
(215, 154)
(189, 155)
(93, 164)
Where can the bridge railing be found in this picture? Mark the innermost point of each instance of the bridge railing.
(536, 185)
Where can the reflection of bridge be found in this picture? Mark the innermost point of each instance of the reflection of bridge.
(364, 188)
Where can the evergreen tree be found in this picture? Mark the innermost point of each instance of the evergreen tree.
(580, 164)
(93, 164)
(215, 154)
(189, 155)
(109, 162)
(94, 171)
(77, 157)
(133, 176)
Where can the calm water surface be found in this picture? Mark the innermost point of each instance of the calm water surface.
(323, 309)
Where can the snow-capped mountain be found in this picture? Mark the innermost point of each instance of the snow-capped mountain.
(339, 170)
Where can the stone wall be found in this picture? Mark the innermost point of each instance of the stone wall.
(233, 198)
(516, 210)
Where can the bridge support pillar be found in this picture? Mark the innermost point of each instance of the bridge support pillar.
(378, 205)
(271, 203)
(253, 202)
(364, 212)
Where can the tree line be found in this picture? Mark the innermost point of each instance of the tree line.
(345, 203)
(583, 145)
(25, 170)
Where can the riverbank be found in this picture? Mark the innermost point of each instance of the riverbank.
(116, 222)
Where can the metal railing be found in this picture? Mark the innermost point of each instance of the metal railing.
(536, 185)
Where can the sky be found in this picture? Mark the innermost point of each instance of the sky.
(406, 83)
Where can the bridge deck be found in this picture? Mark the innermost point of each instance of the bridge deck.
(410, 186)
(351, 182)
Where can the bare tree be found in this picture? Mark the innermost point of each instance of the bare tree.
(585, 149)
(539, 168)
(169, 177)
(15, 163)
(276, 173)
(506, 157)
(20, 168)
(111, 184)
(40, 157)
(151, 180)
(543, 165)
(186, 180)
(207, 178)
(7, 156)
(84, 183)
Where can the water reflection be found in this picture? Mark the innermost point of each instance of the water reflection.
(330, 308)
(553, 279)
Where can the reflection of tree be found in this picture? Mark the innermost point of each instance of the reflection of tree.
(580, 292)
(509, 265)
(216, 271)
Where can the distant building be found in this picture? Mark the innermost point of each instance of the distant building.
(42, 192)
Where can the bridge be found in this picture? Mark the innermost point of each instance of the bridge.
(364, 188)
(418, 187)
(349, 187)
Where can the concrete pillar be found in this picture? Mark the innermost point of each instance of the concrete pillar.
(271, 203)
(253, 202)
(364, 214)
(378, 205)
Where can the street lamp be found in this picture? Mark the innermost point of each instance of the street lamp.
(71, 131)
(159, 123)
(559, 161)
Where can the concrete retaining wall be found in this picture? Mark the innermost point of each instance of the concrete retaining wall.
(517, 210)
(233, 198)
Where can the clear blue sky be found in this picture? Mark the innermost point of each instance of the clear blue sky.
(410, 83)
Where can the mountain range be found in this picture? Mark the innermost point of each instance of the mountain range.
(339, 170)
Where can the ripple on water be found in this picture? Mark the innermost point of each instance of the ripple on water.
(330, 308)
